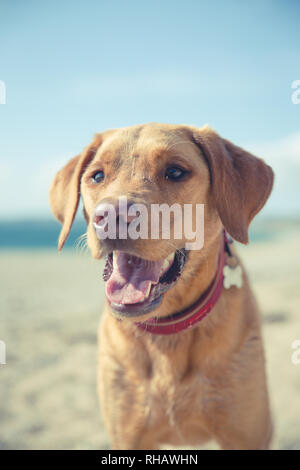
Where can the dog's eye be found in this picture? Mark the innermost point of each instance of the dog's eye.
(174, 173)
(98, 176)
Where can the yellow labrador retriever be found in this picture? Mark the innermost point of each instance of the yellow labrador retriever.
(181, 357)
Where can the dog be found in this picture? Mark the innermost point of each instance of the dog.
(181, 358)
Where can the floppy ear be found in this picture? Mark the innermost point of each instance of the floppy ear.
(65, 189)
(241, 183)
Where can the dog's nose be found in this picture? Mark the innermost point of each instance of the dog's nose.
(111, 211)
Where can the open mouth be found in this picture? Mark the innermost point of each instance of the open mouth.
(135, 286)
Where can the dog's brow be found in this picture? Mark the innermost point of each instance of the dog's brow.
(169, 147)
(110, 158)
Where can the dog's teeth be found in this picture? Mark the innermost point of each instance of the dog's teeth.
(115, 256)
(146, 295)
(148, 290)
(165, 264)
(171, 257)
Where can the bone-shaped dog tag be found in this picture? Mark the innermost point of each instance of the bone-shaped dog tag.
(232, 276)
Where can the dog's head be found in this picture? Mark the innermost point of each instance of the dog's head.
(146, 166)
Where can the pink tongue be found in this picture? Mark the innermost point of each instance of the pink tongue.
(131, 278)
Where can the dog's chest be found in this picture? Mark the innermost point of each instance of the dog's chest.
(175, 396)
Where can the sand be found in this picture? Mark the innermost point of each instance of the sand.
(50, 307)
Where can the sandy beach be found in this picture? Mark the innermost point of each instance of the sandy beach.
(50, 307)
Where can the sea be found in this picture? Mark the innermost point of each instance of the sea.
(35, 234)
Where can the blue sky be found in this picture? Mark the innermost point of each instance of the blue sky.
(73, 68)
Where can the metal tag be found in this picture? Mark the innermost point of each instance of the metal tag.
(232, 276)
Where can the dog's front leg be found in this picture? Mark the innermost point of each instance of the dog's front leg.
(123, 407)
(123, 389)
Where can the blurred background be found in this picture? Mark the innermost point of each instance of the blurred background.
(72, 68)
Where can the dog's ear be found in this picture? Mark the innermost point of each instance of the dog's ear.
(241, 183)
(65, 189)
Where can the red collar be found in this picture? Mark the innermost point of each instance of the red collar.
(189, 317)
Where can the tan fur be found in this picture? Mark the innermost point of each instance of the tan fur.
(208, 382)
